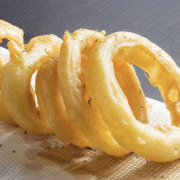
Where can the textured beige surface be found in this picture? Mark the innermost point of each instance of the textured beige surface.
(37, 157)
(34, 160)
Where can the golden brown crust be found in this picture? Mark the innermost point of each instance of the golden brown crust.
(80, 109)
(143, 139)
(10, 32)
(102, 96)
(49, 95)
(17, 95)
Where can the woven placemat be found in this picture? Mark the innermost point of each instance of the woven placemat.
(26, 156)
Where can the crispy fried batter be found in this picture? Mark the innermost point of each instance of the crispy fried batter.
(17, 95)
(143, 139)
(79, 106)
(49, 95)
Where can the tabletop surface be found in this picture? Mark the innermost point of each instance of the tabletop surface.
(156, 20)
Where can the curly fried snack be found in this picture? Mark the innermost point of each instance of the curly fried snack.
(17, 95)
(72, 62)
(159, 144)
(10, 32)
(49, 95)
(4, 115)
(89, 94)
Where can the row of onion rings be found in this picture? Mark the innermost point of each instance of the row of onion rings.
(87, 92)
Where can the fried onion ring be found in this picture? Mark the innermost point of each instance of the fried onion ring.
(17, 94)
(10, 32)
(4, 115)
(74, 50)
(49, 95)
(160, 144)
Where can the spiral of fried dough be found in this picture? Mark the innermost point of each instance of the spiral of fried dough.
(87, 90)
